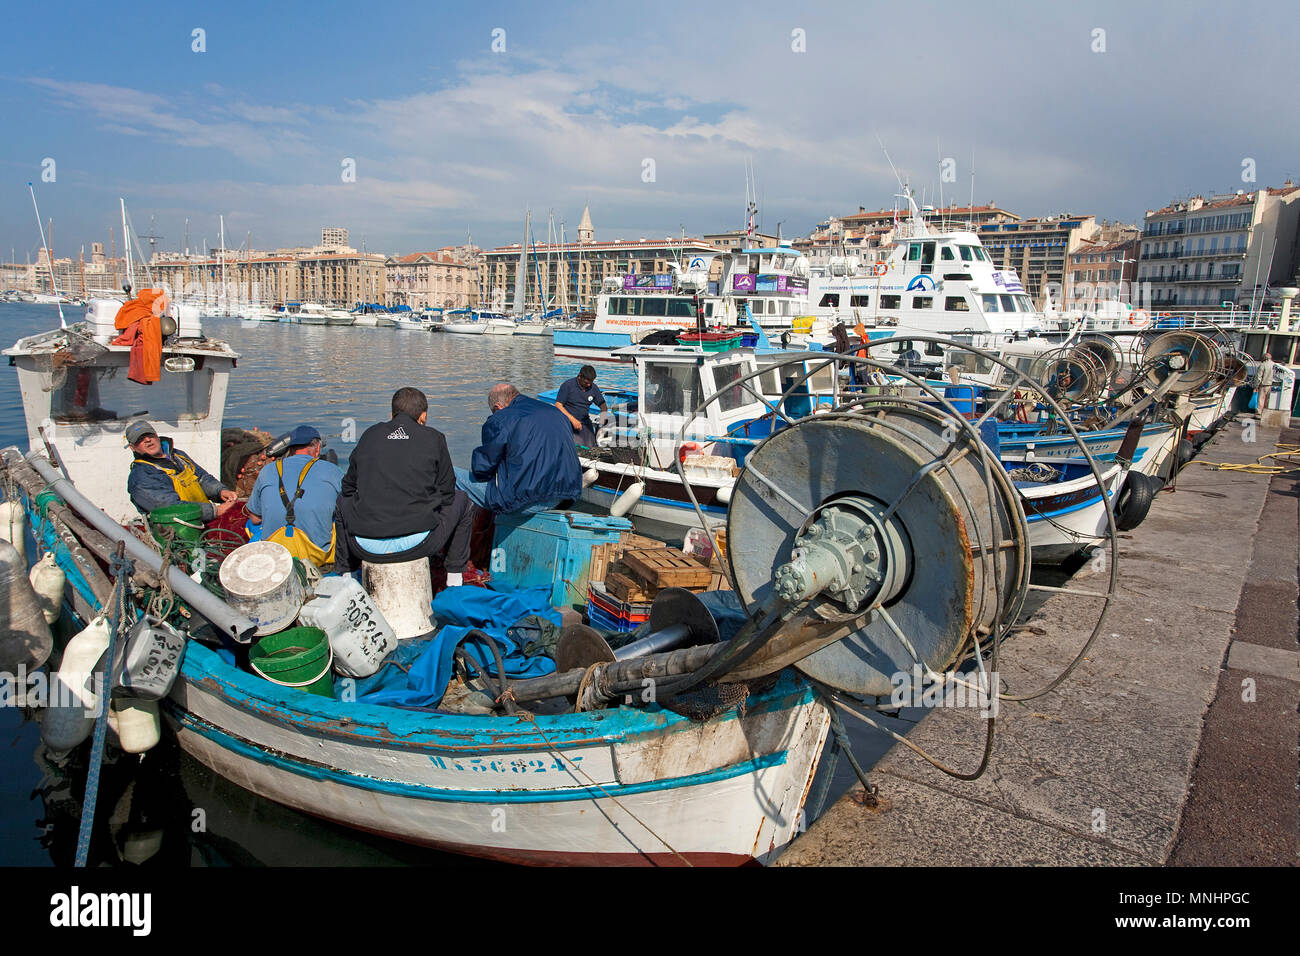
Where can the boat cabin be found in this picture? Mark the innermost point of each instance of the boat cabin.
(76, 397)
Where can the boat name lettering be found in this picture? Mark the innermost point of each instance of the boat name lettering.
(502, 765)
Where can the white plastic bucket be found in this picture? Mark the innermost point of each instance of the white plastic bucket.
(261, 583)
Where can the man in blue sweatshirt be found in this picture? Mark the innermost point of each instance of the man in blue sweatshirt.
(527, 462)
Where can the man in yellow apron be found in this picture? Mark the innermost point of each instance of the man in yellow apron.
(293, 499)
(163, 475)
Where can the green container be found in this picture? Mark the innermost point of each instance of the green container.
(299, 657)
(184, 521)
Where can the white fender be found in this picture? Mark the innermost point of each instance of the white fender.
(48, 581)
(624, 502)
(25, 638)
(724, 495)
(13, 526)
(73, 705)
(136, 723)
(589, 477)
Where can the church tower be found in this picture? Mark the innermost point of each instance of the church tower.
(586, 231)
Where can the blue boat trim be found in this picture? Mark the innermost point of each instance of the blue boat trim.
(460, 734)
(318, 771)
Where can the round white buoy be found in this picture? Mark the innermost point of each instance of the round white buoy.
(48, 581)
(589, 477)
(13, 526)
(623, 504)
(25, 639)
(260, 582)
(73, 703)
(136, 723)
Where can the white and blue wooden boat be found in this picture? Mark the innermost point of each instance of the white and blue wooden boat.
(621, 785)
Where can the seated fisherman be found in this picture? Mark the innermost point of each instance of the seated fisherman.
(527, 462)
(399, 500)
(294, 499)
(163, 475)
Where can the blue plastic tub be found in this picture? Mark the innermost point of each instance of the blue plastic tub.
(552, 548)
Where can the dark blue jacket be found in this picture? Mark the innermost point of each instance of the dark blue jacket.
(527, 456)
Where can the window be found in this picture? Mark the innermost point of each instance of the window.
(991, 303)
(967, 253)
(654, 306)
(922, 302)
(860, 301)
(671, 389)
(956, 303)
(680, 309)
(890, 301)
(914, 252)
(732, 396)
(946, 253)
(1008, 303)
(98, 394)
(831, 300)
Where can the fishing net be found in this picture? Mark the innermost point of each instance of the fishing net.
(1037, 472)
(708, 700)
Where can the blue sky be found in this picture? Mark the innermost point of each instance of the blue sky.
(449, 136)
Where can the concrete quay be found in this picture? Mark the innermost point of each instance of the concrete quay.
(1172, 743)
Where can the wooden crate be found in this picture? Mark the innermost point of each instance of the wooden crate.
(627, 588)
(604, 556)
(667, 568)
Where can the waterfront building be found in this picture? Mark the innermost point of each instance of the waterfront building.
(1208, 252)
(1038, 249)
(337, 276)
(334, 237)
(431, 280)
(571, 275)
(1102, 269)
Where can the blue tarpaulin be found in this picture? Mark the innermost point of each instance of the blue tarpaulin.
(416, 674)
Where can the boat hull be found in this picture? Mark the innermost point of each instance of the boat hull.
(614, 787)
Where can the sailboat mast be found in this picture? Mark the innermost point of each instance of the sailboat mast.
(521, 272)
(126, 243)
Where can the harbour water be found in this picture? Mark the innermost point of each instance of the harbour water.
(340, 380)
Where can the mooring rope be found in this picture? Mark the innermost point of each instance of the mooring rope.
(122, 568)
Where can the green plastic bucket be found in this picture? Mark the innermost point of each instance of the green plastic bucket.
(184, 522)
(299, 657)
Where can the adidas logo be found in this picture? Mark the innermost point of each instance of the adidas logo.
(399, 435)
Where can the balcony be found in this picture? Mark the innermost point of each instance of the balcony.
(1172, 254)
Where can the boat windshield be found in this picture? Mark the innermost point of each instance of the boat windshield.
(671, 388)
(731, 395)
(97, 394)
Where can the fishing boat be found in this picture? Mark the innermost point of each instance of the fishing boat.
(598, 770)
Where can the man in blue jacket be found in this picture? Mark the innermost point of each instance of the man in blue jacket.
(163, 475)
(527, 462)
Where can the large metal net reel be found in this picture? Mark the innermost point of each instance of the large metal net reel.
(886, 527)
(1181, 362)
(1072, 374)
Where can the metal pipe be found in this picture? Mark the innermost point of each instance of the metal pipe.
(663, 640)
(221, 614)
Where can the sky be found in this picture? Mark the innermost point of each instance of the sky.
(417, 125)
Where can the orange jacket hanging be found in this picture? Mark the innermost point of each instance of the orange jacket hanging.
(143, 332)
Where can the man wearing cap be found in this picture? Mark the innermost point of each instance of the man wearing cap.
(293, 499)
(163, 475)
(575, 398)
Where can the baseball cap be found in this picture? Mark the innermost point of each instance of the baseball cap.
(303, 435)
(137, 430)
(588, 373)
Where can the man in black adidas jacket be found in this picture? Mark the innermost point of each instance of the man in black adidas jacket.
(399, 500)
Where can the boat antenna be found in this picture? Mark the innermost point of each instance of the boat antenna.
(970, 210)
(890, 161)
(49, 260)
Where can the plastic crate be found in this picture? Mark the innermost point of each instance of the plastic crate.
(608, 612)
(552, 548)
